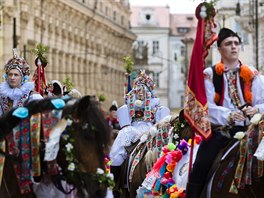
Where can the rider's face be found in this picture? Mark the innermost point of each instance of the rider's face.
(229, 49)
(140, 93)
(14, 78)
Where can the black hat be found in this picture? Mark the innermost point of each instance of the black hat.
(113, 108)
(225, 33)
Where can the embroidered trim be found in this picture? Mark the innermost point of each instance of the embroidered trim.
(247, 76)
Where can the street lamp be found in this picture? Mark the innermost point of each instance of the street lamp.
(256, 32)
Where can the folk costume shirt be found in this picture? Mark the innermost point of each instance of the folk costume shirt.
(16, 97)
(219, 113)
(133, 127)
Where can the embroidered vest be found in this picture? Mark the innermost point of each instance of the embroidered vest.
(7, 104)
(245, 84)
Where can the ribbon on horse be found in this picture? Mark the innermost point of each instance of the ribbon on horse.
(2, 159)
(240, 166)
(35, 126)
(244, 169)
(195, 105)
(18, 143)
(137, 158)
(49, 120)
(260, 136)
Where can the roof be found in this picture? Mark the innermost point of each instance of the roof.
(183, 21)
(159, 16)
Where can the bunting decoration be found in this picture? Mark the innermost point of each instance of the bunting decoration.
(195, 104)
(35, 128)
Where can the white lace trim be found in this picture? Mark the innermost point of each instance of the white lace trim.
(15, 93)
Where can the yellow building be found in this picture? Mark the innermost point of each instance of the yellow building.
(87, 40)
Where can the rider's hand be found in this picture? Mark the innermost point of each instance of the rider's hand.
(250, 111)
(237, 116)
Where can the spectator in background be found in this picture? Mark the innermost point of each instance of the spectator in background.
(112, 118)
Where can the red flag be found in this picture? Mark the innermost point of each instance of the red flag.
(195, 105)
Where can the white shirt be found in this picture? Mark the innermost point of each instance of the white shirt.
(219, 114)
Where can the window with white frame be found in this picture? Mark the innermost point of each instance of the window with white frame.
(155, 47)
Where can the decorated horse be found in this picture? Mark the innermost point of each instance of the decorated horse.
(238, 169)
(148, 149)
(236, 172)
(62, 141)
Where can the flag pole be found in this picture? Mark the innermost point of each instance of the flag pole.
(195, 104)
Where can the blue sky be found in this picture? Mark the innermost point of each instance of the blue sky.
(176, 6)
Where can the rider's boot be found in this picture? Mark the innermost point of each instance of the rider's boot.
(193, 190)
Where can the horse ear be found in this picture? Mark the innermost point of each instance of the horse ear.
(181, 116)
(83, 104)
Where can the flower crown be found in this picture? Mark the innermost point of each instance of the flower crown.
(17, 63)
(144, 79)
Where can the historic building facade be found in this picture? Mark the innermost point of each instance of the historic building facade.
(87, 40)
(169, 39)
(239, 16)
(152, 27)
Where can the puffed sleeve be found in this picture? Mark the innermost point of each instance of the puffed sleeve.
(123, 116)
(258, 92)
(161, 113)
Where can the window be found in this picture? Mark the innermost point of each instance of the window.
(182, 30)
(175, 56)
(156, 79)
(122, 20)
(114, 15)
(155, 47)
(182, 51)
(101, 6)
(106, 11)
(182, 69)
(140, 49)
(148, 16)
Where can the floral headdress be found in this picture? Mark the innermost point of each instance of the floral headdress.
(144, 79)
(17, 63)
(148, 85)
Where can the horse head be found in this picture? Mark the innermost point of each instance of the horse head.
(80, 157)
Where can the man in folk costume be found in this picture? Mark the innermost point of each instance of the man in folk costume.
(16, 90)
(234, 92)
(136, 117)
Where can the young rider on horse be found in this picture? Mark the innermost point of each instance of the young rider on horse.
(235, 93)
(16, 90)
(141, 111)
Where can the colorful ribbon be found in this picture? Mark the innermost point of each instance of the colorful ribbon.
(35, 126)
(2, 159)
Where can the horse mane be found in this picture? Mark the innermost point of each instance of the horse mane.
(8, 121)
(88, 112)
(85, 109)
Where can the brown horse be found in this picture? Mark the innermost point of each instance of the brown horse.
(90, 137)
(225, 178)
(149, 152)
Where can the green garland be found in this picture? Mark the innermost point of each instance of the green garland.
(73, 175)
